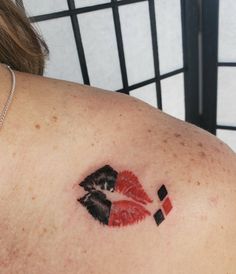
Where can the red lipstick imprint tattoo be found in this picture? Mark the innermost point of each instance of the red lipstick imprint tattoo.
(116, 213)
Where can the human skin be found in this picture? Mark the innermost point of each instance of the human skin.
(56, 133)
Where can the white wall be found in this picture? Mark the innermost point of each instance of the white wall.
(226, 105)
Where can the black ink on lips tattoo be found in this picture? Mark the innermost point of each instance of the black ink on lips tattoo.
(97, 205)
(104, 178)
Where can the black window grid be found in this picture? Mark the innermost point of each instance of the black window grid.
(199, 60)
(72, 12)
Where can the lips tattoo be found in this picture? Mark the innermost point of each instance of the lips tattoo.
(115, 213)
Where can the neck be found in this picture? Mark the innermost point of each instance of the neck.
(5, 86)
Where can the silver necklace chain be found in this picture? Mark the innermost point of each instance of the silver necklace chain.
(9, 99)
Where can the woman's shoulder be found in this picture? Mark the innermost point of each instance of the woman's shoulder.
(71, 131)
(133, 134)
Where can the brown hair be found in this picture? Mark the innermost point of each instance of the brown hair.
(21, 46)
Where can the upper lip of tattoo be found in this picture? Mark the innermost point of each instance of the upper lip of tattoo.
(124, 182)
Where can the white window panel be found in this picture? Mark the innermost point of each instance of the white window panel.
(99, 41)
(86, 3)
(146, 94)
(169, 34)
(227, 31)
(173, 96)
(63, 59)
(136, 31)
(226, 98)
(34, 8)
(228, 136)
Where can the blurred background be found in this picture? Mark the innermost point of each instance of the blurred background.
(177, 55)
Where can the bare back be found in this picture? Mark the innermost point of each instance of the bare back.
(58, 133)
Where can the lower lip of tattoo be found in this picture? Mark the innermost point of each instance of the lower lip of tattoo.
(126, 212)
(97, 205)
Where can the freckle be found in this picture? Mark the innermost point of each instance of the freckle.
(14, 154)
(175, 155)
(118, 127)
(54, 118)
(139, 109)
(37, 126)
(182, 143)
(177, 135)
(149, 130)
(23, 229)
(45, 230)
(204, 218)
(198, 183)
(33, 198)
(29, 254)
(192, 159)
(120, 115)
(15, 252)
(164, 141)
(92, 144)
(202, 154)
(222, 227)
(200, 144)
(214, 200)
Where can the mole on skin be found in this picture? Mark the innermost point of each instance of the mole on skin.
(202, 154)
(54, 118)
(37, 126)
